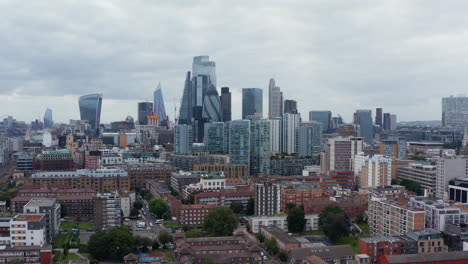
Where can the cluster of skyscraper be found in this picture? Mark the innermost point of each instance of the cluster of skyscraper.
(153, 110)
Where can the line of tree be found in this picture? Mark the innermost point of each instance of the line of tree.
(412, 186)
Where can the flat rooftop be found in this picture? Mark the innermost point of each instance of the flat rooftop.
(29, 217)
(41, 202)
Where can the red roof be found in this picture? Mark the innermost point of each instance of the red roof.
(29, 217)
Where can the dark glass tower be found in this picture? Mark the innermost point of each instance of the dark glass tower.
(48, 121)
(252, 102)
(290, 107)
(212, 105)
(378, 117)
(158, 107)
(226, 104)
(185, 114)
(363, 118)
(144, 110)
(90, 110)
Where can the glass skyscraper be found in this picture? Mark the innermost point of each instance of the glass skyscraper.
(290, 123)
(203, 66)
(185, 114)
(48, 121)
(212, 105)
(145, 109)
(455, 111)
(183, 138)
(252, 102)
(275, 100)
(158, 106)
(260, 147)
(214, 137)
(238, 132)
(226, 104)
(90, 110)
(324, 117)
(363, 118)
(309, 137)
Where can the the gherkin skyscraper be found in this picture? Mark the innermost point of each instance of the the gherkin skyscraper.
(212, 105)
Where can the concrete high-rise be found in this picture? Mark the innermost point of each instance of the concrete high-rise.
(455, 111)
(324, 117)
(158, 106)
(252, 102)
(393, 122)
(226, 104)
(275, 100)
(290, 107)
(375, 171)
(378, 117)
(449, 167)
(145, 109)
(203, 66)
(309, 139)
(48, 121)
(290, 123)
(339, 153)
(90, 110)
(363, 118)
(275, 135)
(259, 147)
(267, 199)
(183, 138)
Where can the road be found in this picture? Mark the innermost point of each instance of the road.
(151, 229)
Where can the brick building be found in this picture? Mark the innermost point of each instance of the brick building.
(352, 205)
(139, 173)
(27, 254)
(284, 241)
(225, 198)
(189, 214)
(60, 160)
(456, 257)
(299, 193)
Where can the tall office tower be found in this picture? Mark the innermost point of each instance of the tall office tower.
(158, 106)
(363, 118)
(275, 135)
(378, 117)
(145, 109)
(340, 152)
(309, 139)
(259, 147)
(200, 84)
(226, 104)
(275, 100)
(185, 114)
(337, 121)
(267, 199)
(290, 107)
(239, 142)
(90, 110)
(214, 137)
(48, 121)
(183, 138)
(455, 111)
(375, 171)
(323, 117)
(449, 167)
(386, 121)
(203, 66)
(252, 102)
(393, 122)
(290, 123)
(212, 105)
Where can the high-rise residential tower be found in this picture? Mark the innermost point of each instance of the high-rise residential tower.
(226, 104)
(48, 121)
(259, 147)
(252, 102)
(183, 138)
(214, 137)
(290, 123)
(90, 110)
(393, 122)
(378, 117)
(238, 134)
(290, 107)
(158, 106)
(203, 66)
(145, 109)
(309, 137)
(324, 117)
(275, 100)
(455, 111)
(275, 135)
(212, 105)
(363, 118)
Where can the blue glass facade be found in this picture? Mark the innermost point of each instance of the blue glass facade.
(90, 110)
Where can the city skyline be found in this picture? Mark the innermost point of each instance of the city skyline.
(348, 67)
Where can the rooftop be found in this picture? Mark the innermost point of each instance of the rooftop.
(380, 239)
(29, 217)
(427, 257)
(41, 202)
(279, 234)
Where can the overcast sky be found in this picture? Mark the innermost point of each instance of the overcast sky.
(343, 55)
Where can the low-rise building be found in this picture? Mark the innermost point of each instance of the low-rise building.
(284, 241)
(28, 230)
(439, 214)
(51, 209)
(424, 175)
(231, 171)
(428, 258)
(330, 254)
(27, 254)
(189, 214)
(281, 222)
(299, 193)
(225, 198)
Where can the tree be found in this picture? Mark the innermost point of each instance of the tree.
(237, 207)
(221, 221)
(143, 243)
(290, 206)
(250, 210)
(334, 223)
(63, 209)
(158, 207)
(138, 205)
(296, 220)
(361, 218)
(164, 238)
(412, 186)
(272, 245)
(113, 245)
(283, 256)
(155, 244)
(260, 237)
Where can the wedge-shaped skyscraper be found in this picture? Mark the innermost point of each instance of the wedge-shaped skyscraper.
(90, 110)
(158, 106)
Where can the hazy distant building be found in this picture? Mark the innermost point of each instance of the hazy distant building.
(290, 107)
(337, 121)
(145, 109)
(183, 138)
(90, 110)
(455, 111)
(203, 66)
(393, 122)
(290, 123)
(226, 104)
(378, 117)
(48, 121)
(386, 121)
(185, 113)
(275, 135)
(309, 139)
(252, 102)
(259, 147)
(363, 118)
(199, 87)
(275, 100)
(323, 117)
(158, 106)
